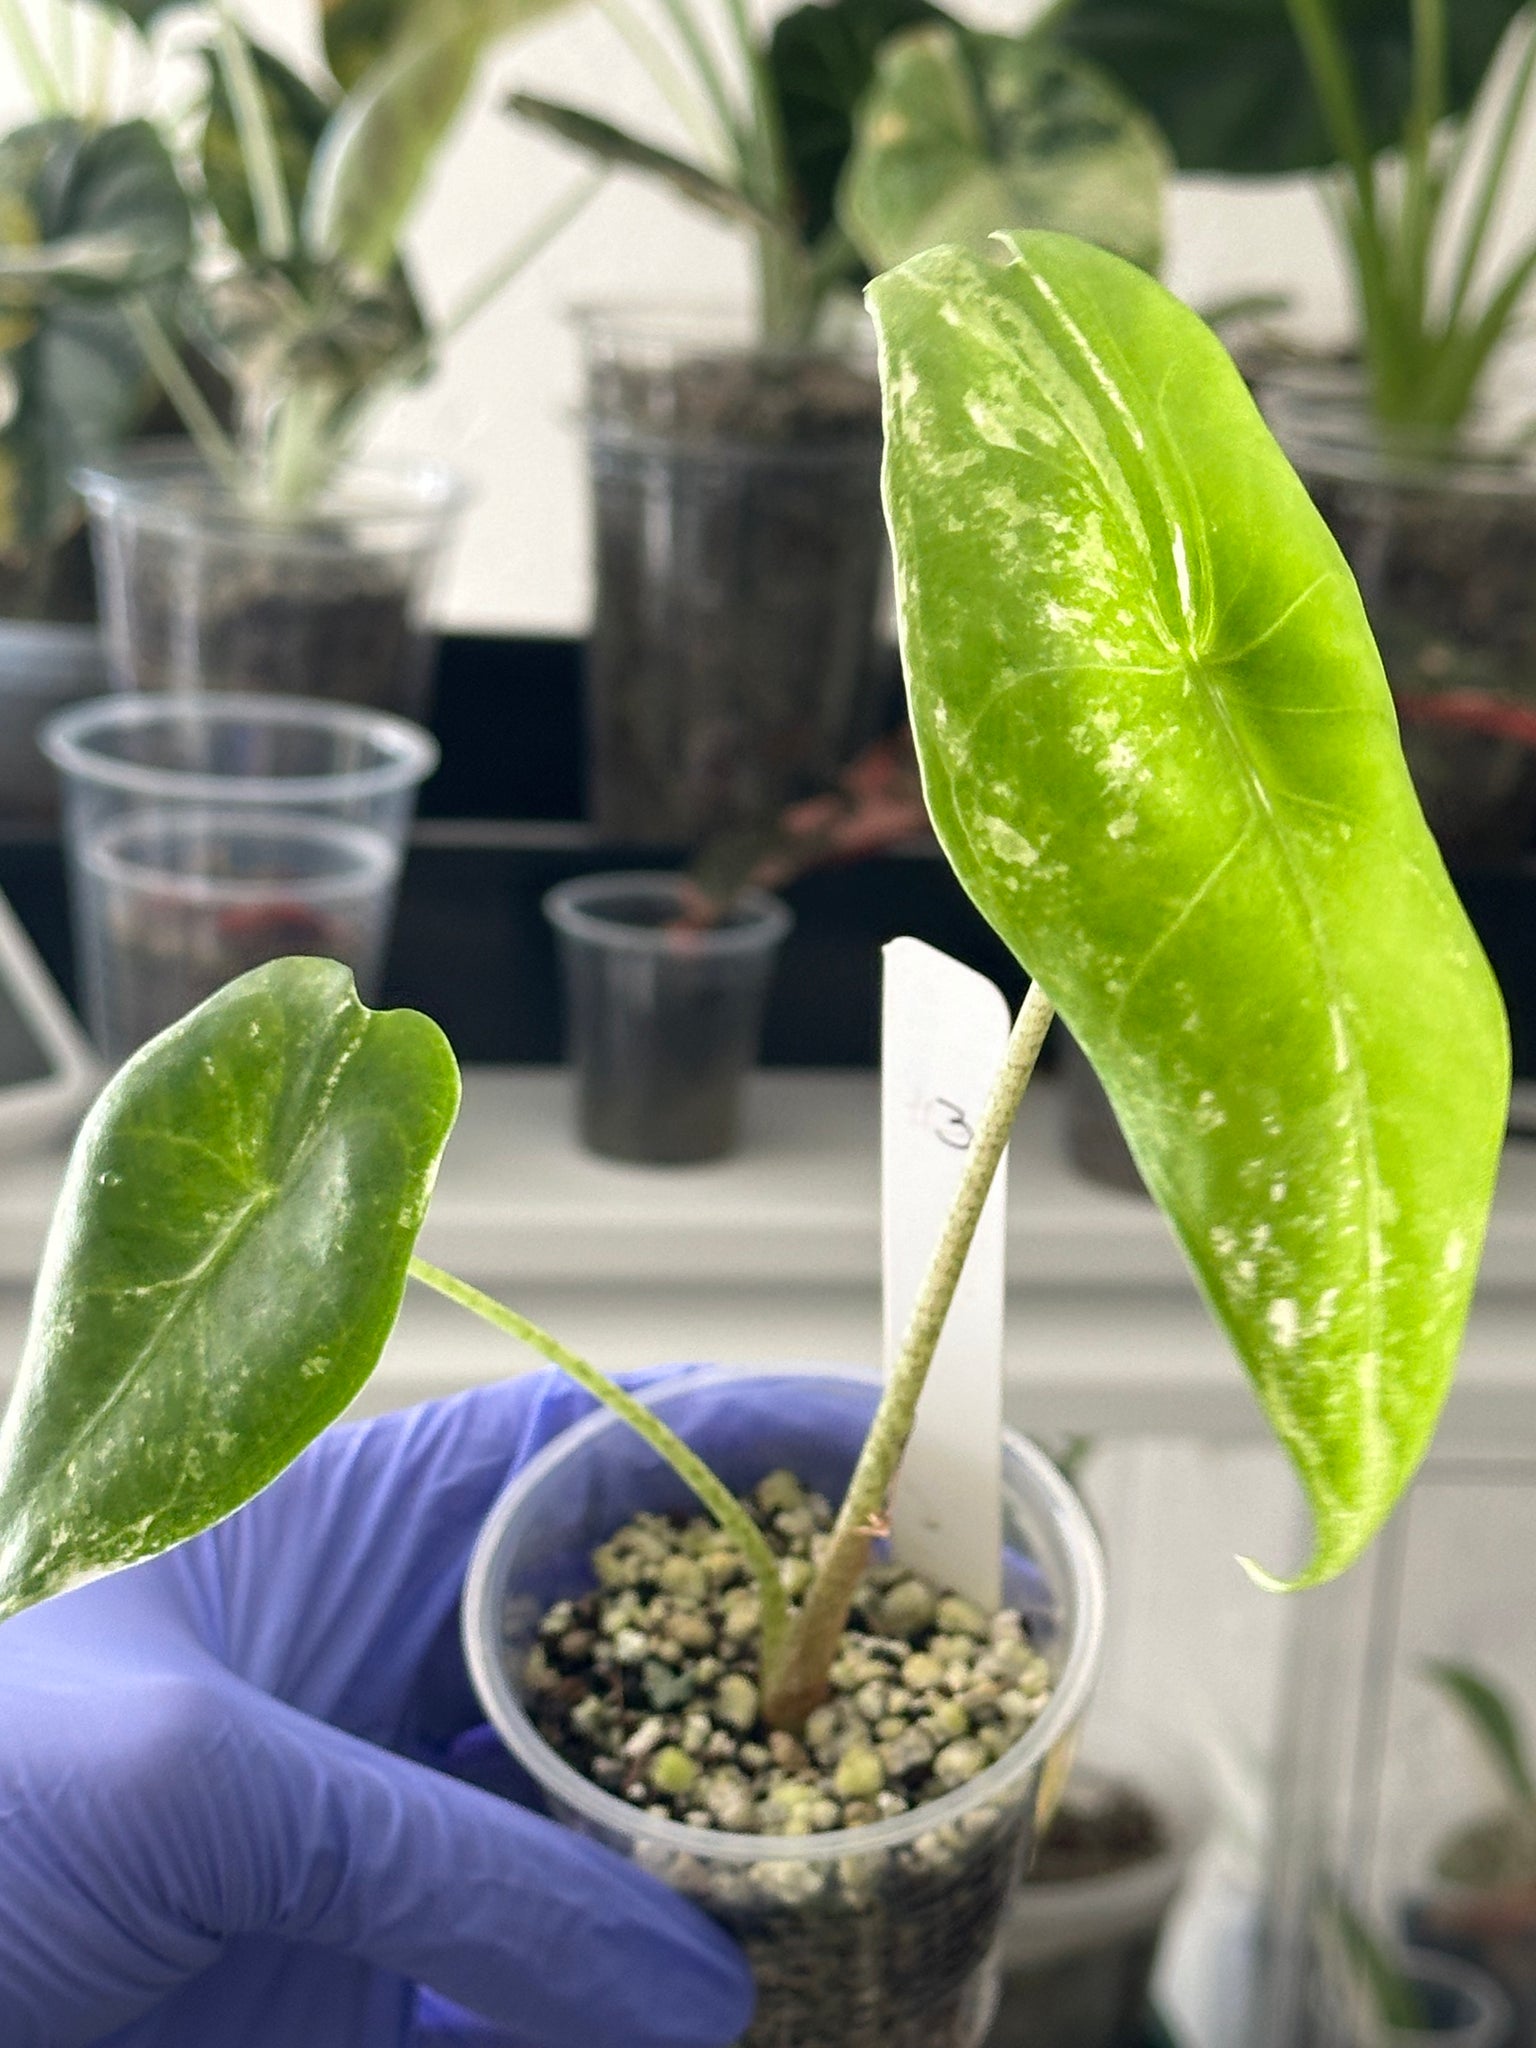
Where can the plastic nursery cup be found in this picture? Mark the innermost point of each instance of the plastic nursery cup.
(199, 591)
(871, 1937)
(43, 667)
(208, 834)
(662, 1018)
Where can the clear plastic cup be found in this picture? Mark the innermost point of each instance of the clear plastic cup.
(199, 591)
(662, 1017)
(872, 1937)
(43, 667)
(208, 834)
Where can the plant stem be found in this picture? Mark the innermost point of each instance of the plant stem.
(258, 143)
(176, 381)
(492, 282)
(706, 68)
(666, 76)
(795, 1687)
(103, 64)
(717, 1497)
(30, 61)
(64, 52)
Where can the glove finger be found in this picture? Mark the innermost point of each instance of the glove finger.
(526, 1924)
(365, 1634)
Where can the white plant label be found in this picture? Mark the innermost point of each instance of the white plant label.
(944, 1033)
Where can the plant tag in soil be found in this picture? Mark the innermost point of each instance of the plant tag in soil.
(944, 1032)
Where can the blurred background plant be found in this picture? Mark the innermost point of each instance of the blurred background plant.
(858, 131)
(302, 189)
(1412, 118)
(95, 236)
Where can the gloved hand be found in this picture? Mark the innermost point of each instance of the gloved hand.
(220, 1825)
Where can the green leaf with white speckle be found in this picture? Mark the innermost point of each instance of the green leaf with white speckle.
(1159, 749)
(226, 1260)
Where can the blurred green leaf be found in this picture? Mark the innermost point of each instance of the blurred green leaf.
(382, 141)
(1382, 1999)
(1159, 749)
(1226, 82)
(108, 208)
(297, 115)
(226, 1261)
(612, 146)
(90, 216)
(960, 135)
(359, 32)
(821, 58)
(1492, 1721)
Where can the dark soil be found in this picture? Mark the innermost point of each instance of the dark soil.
(340, 628)
(648, 1686)
(1096, 1832)
(740, 555)
(660, 1045)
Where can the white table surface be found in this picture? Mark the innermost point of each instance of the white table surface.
(774, 1255)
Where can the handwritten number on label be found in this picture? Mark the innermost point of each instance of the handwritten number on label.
(949, 1124)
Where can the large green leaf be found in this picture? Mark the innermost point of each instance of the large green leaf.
(961, 134)
(820, 59)
(1226, 81)
(1158, 747)
(382, 141)
(297, 115)
(226, 1261)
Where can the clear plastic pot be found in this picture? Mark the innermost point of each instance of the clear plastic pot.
(739, 558)
(873, 1937)
(1078, 1953)
(662, 1018)
(1465, 2009)
(1441, 537)
(208, 834)
(201, 592)
(43, 667)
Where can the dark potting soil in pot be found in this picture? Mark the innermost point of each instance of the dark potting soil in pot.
(336, 627)
(740, 555)
(648, 1687)
(1449, 581)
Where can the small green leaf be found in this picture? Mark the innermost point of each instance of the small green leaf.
(384, 138)
(359, 32)
(226, 1260)
(1159, 749)
(1226, 82)
(1384, 2001)
(297, 115)
(611, 145)
(960, 135)
(1492, 1720)
(821, 58)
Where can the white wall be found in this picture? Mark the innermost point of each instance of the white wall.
(502, 407)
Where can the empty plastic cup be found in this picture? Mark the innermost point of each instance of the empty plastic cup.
(209, 834)
(662, 1016)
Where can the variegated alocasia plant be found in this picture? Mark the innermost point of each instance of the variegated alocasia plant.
(1158, 747)
(1159, 751)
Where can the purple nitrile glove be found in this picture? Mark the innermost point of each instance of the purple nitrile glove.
(225, 1813)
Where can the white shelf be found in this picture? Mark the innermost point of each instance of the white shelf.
(774, 1255)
